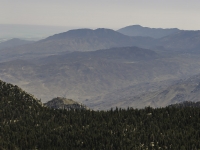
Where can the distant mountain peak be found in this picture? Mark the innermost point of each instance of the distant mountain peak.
(138, 30)
(13, 43)
(134, 25)
(103, 29)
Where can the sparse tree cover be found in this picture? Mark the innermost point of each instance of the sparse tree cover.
(26, 124)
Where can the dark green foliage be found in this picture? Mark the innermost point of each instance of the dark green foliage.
(186, 104)
(25, 124)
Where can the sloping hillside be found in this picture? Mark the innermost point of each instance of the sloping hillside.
(183, 90)
(25, 124)
(85, 76)
(81, 75)
(16, 103)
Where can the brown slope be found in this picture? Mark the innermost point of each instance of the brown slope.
(80, 75)
(183, 90)
(89, 76)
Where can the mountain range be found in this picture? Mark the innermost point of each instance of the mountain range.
(75, 40)
(91, 40)
(103, 68)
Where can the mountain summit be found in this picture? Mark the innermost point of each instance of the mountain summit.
(80, 33)
(137, 30)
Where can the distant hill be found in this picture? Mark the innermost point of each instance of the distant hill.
(13, 43)
(137, 30)
(89, 73)
(182, 40)
(63, 103)
(76, 40)
(106, 76)
(87, 33)
(132, 54)
(91, 40)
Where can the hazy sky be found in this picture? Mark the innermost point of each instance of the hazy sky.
(183, 14)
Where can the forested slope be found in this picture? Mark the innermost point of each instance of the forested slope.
(26, 124)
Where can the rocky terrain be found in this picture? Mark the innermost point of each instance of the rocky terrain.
(84, 76)
(64, 103)
(181, 91)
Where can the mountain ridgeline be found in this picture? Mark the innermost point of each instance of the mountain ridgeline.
(14, 43)
(91, 40)
(13, 94)
(137, 30)
(76, 40)
(26, 124)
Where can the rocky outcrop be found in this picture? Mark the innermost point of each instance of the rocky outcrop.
(63, 103)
